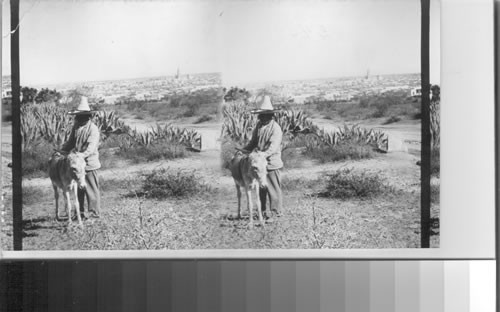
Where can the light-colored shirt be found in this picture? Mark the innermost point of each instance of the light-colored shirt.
(267, 138)
(85, 139)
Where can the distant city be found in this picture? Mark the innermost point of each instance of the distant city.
(338, 89)
(298, 91)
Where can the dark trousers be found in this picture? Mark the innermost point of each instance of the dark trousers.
(91, 192)
(273, 191)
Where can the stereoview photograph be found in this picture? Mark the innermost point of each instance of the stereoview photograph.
(180, 125)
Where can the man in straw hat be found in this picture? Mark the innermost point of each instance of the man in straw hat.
(84, 138)
(266, 137)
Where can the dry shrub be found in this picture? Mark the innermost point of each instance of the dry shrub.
(166, 183)
(346, 184)
(391, 119)
(203, 118)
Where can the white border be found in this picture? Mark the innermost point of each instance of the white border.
(467, 228)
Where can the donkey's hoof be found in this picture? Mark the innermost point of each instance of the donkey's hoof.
(233, 216)
(60, 218)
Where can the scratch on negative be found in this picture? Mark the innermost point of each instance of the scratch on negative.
(21, 20)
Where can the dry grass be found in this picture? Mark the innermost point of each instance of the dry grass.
(198, 222)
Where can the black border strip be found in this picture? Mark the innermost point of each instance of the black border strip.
(17, 191)
(496, 45)
(425, 169)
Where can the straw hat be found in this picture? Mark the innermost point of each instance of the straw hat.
(83, 108)
(265, 107)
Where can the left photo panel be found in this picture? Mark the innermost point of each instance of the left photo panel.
(120, 118)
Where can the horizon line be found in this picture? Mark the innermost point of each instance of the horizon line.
(214, 73)
(324, 77)
(116, 79)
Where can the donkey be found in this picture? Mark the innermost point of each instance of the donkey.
(67, 172)
(250, 172)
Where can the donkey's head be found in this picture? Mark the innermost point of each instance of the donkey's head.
(258, 167)
(77, 168)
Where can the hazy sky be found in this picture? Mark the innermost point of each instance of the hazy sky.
(244, 40)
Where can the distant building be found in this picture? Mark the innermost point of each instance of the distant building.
(6, 105)
(140, 97)
(416, 92)
(6, 93)
(303, 98)
(337, 97)
(111, 99)
(152, 97)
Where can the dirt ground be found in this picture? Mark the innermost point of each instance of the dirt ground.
(307, 222)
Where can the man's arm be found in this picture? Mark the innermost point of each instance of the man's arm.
(274, 141)
(254, 140)
(92, 142)
(70, 143)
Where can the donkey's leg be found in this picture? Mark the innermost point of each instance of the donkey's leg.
(259, 208)
(68, 204)
(56, 196)
(238, 193)
(248, 190)
(74, 191)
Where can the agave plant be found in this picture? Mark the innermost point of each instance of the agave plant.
(239, 123)
(55, 127)
(45, 121)
(295, 122)
(29, 126)
(108, 122)
(168, 133)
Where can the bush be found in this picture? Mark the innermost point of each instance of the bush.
(364, 102)
(342, 151)
(192, 106)
(353, 112)
(165, 183)
(345, 184)
(203, 118)
(228, 148)
(392, 119)
(293, 158)
(162, 150)
(35, 159)
(381, 110)
(115, 140)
